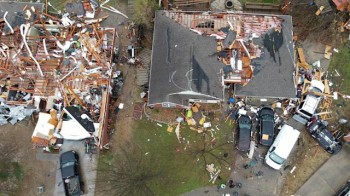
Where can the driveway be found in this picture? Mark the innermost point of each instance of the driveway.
(330, 177)
(257, 179)
(88, 168)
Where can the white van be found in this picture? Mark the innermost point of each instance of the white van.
(282, 146)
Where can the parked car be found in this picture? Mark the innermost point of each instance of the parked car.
(69, 163)
(345, 191)
(307, 108)
(244, 132)
(267, 125)
(281, 147)
(325, 138)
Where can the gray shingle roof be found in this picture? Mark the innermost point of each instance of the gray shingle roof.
(184, 64)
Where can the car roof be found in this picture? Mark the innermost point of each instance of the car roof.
(68, 171)
(325, 137)
(310, 104)
(244, 133)
(244, 139)
(289, 134)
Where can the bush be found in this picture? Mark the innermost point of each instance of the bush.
(144, 12)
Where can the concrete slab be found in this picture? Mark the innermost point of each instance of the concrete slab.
(88, 168)
(270, 183)
(331, 176)
(40, 155)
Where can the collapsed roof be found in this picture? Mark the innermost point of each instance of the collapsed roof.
(57, 60)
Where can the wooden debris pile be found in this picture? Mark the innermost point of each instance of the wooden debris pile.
(54, 62)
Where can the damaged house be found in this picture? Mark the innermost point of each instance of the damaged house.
(196, 55)
(60, 64)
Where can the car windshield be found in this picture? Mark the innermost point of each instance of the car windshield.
(316, 90)
(267, 118)
(305, 112)
(67, 164)
(244, 126)
(277, 159)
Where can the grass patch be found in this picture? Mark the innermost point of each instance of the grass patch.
(183, 169)
(9, 170)
(17, 170)
(161, 165)
(341, 62)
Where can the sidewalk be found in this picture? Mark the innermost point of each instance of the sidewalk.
(330, 177)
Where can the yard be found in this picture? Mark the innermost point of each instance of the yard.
(340, 63)
(165, 166)
(20, 170)
(147, 159)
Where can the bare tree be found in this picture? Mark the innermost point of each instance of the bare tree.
(128, 173)
(10, 171)
(208, 151)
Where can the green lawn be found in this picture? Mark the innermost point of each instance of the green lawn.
(167, 168)
(341, 62)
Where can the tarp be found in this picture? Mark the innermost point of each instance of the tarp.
(71, 130)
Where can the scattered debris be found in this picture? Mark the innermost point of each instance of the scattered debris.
(213, 172)
(59, 62)
(291, 171)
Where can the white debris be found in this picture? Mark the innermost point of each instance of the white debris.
(13, 114)
(207, 124)
(242, 111)
(291, 171)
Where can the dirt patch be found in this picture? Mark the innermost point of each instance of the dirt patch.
(35, 172)
(123, 119)
(322, 28)
(309, 158)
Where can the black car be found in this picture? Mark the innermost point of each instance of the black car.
(244, 132)
(325, 138)
(267, 126)
(345, 191)
(69, 162)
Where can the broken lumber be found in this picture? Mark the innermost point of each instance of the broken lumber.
(301, 55)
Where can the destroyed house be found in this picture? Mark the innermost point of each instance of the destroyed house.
(53, 62)
(196, 54)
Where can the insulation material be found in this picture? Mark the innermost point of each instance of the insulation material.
(77, 133)
(43, 129)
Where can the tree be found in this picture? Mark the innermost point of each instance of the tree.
(208, 151)
(127, 173)
(10, 171)
(144, 12)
